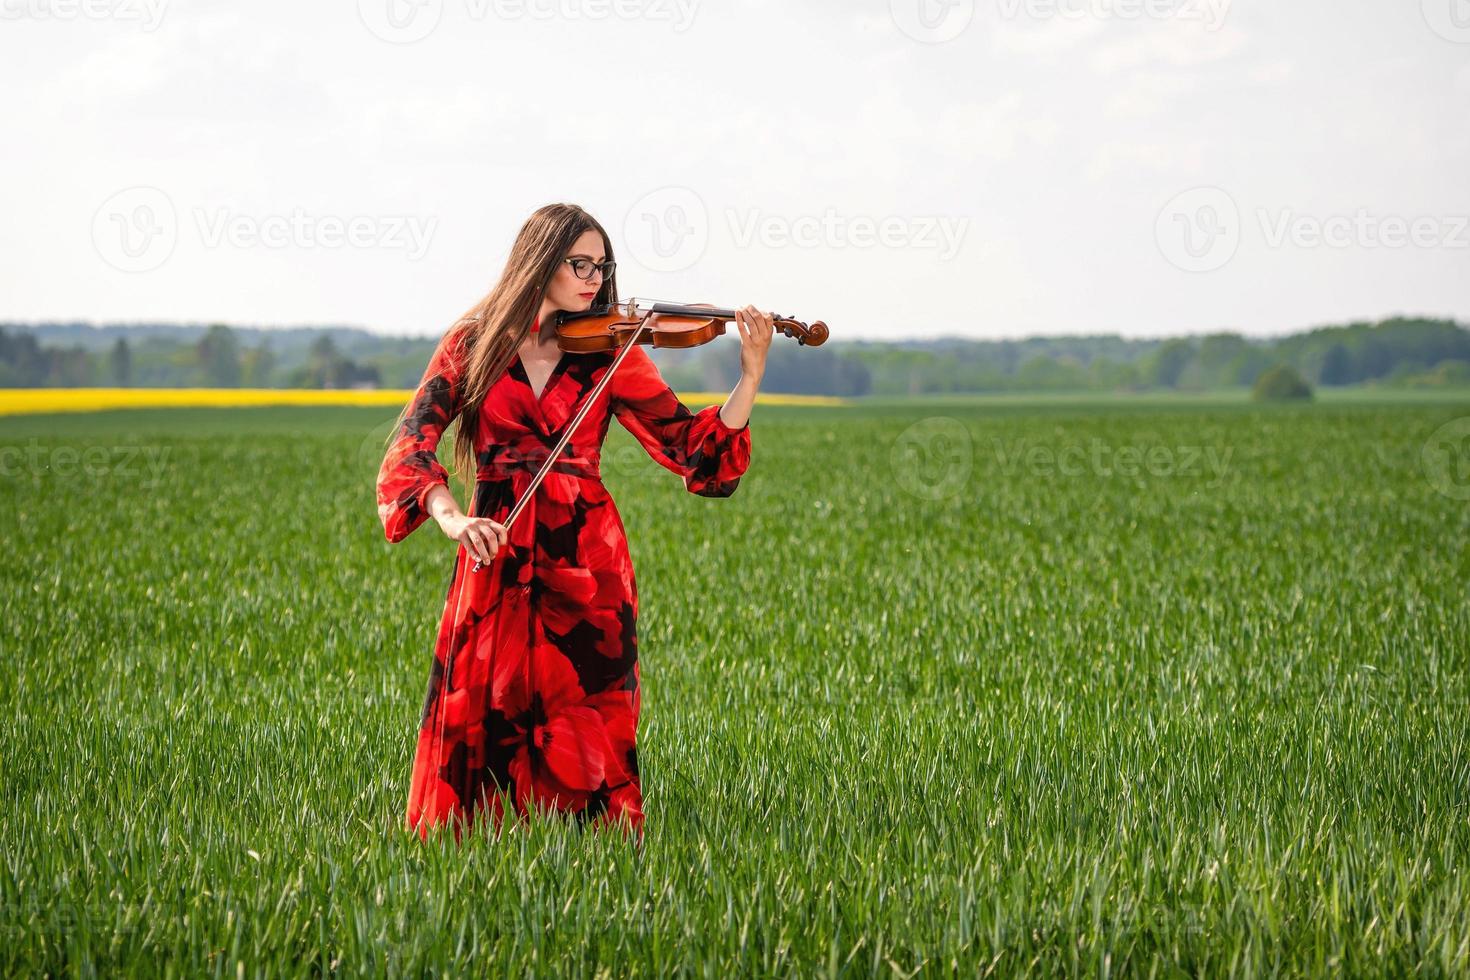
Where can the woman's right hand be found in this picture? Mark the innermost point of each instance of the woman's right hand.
(481, 536)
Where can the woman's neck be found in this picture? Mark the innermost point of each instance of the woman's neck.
(547, 316)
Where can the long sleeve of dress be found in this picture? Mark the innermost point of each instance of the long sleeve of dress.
(699, 446)
(411, 467)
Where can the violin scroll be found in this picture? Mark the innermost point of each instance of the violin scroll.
(807, 336)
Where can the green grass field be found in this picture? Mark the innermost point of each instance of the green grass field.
(959, 687)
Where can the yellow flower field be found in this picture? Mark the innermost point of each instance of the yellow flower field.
(19, 401)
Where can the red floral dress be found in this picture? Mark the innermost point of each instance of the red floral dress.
(535, 674)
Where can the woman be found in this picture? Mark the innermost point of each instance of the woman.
(534, 691)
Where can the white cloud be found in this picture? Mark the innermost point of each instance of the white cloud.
(1462, 80)
(118, 70)
(1121, 156)
(1024, 123)
(1175, 43)
(1045, 37)
(1274, 72)
(1144, 94)
(995, 129)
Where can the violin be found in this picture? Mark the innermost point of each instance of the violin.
(610, 326)
(618, 326)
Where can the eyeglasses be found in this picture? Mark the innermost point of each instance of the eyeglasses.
(582, 268)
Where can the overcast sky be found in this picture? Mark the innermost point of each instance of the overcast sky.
(993, 168)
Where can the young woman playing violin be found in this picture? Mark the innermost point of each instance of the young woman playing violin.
(533, 694)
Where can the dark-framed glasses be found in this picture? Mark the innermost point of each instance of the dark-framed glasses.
(582, 268)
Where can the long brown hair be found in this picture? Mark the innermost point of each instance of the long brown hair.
(496, 326)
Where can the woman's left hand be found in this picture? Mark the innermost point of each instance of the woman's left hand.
(756, 331)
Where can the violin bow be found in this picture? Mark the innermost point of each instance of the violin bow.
(509, 520)
(572, 425)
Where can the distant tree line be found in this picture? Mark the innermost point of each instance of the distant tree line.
(215, 359)
(1398, 352)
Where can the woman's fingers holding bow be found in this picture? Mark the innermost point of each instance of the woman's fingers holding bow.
(483, 537)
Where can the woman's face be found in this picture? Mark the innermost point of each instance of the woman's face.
(566, 291)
